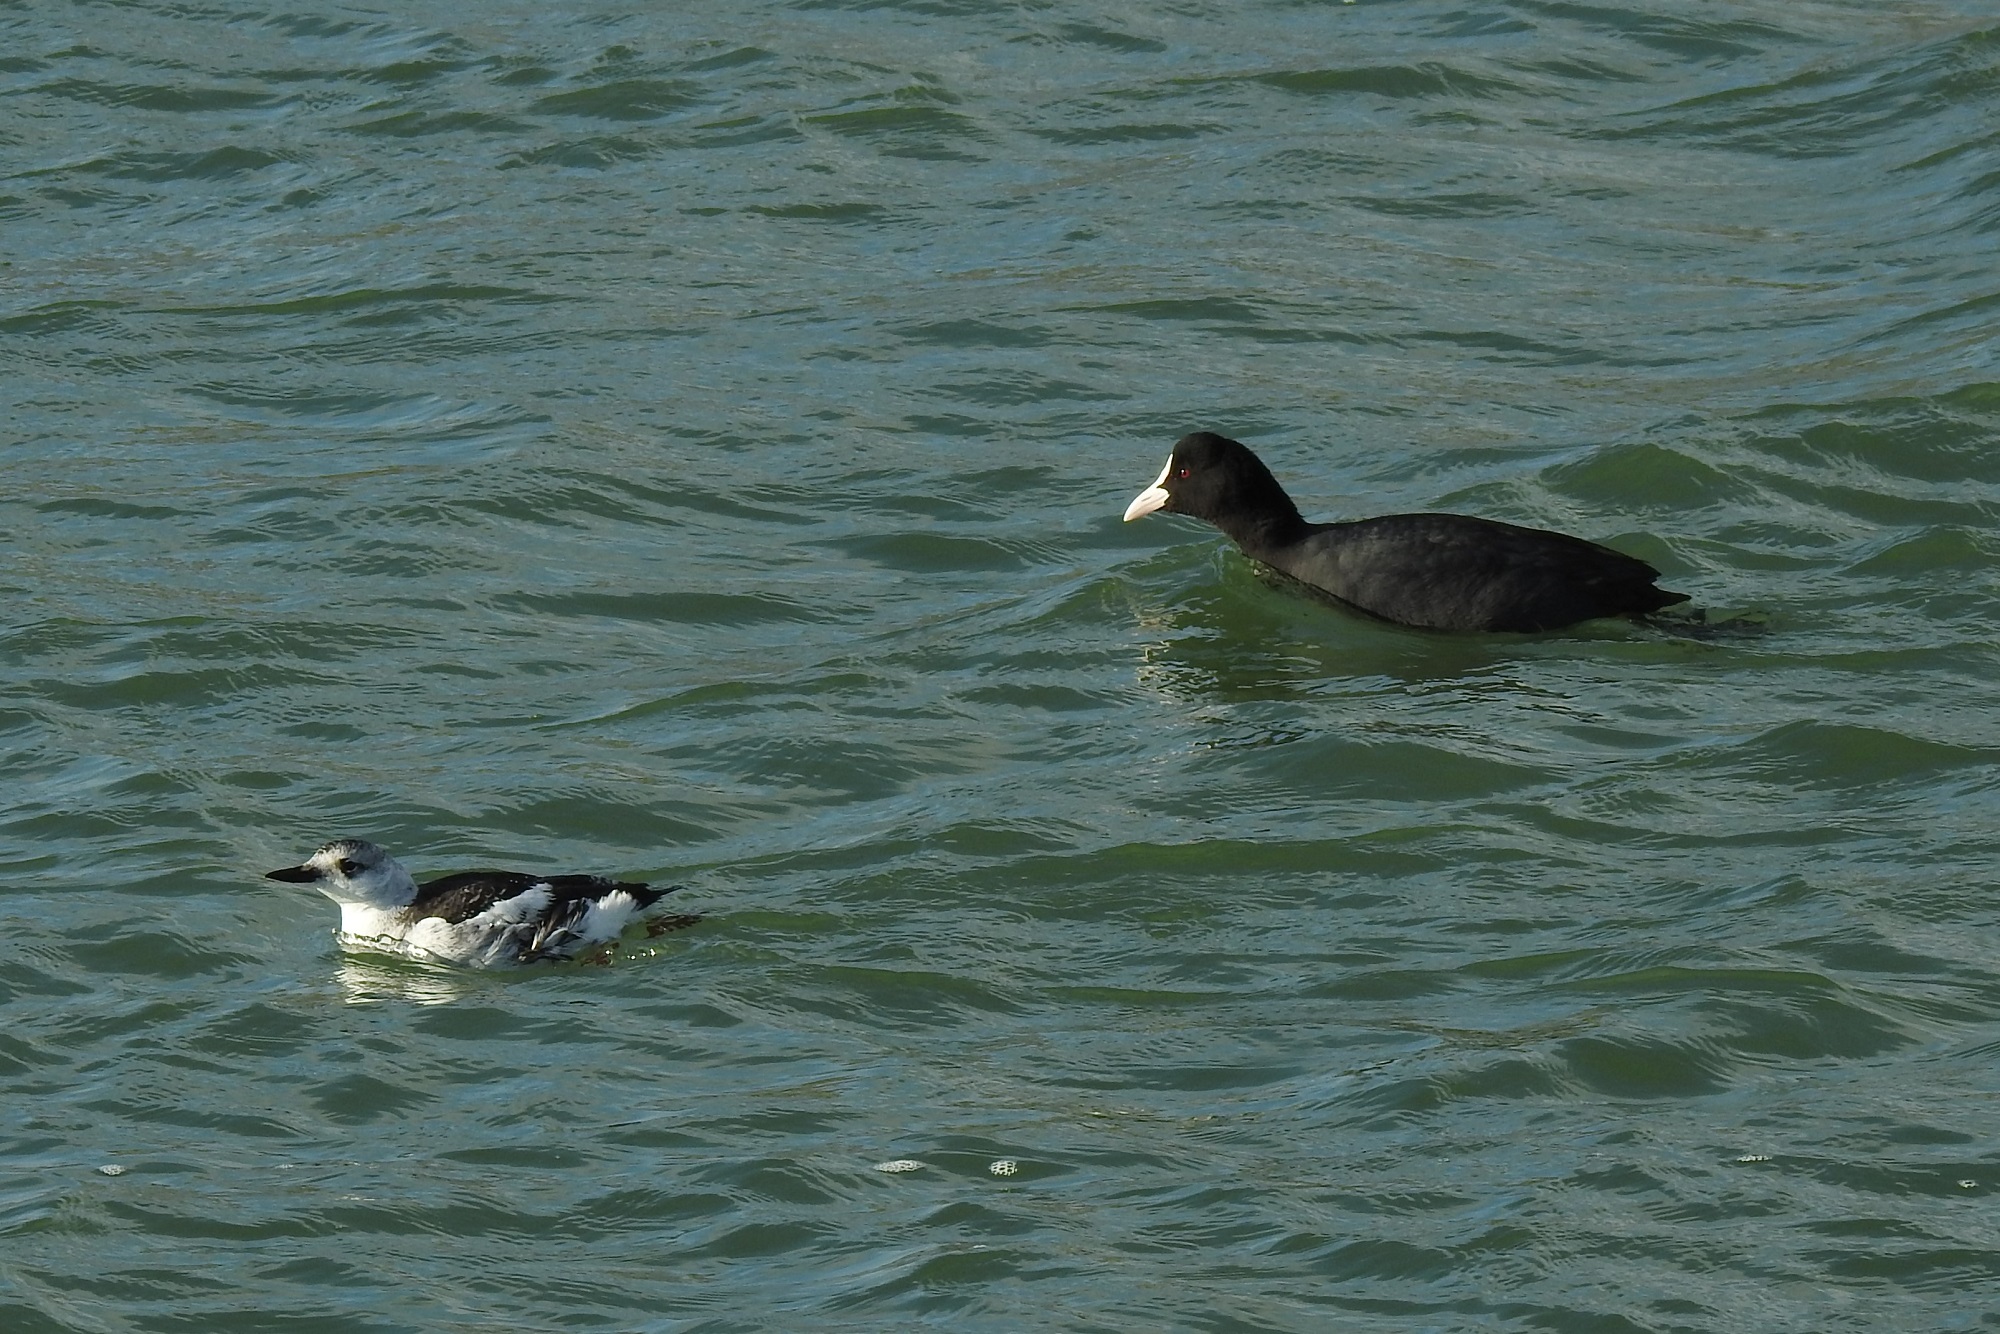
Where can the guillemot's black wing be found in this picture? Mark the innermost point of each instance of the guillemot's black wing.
(557, 932)
(571, 889)
(455, 898)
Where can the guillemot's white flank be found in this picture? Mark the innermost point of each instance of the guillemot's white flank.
(480, 918)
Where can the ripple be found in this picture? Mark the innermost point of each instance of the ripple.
(691, 445)
(623, 100)
(161, 97)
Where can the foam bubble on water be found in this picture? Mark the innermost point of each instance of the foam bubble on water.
(1004, 1167)
(112, 1170)
(901, 1165)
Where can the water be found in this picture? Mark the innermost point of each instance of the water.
(691, 446)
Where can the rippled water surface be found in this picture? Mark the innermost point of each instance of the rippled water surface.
(688, 443)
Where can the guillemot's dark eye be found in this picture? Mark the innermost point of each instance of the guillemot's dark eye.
(347, 866)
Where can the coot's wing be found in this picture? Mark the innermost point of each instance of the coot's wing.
(1455, 572)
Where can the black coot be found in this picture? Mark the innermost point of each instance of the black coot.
(1434, 571)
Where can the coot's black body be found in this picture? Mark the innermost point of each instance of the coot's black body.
(1432, 571)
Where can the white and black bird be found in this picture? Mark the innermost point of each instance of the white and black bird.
(482, 918)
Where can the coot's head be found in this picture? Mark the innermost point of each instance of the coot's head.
(353, 870)
(1212, 477)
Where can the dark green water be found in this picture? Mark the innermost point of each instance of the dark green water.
(690, 445)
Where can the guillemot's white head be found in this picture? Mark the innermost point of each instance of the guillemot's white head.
(354, 871)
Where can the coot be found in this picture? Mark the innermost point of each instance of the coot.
(1433, 571)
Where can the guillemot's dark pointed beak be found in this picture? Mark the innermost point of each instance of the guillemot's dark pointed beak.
(1153, 497)
(297, 875)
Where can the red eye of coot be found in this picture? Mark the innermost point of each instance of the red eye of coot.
(1185, 473)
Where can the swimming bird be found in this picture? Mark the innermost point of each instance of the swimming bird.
(1432, 571)
(480, 918)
